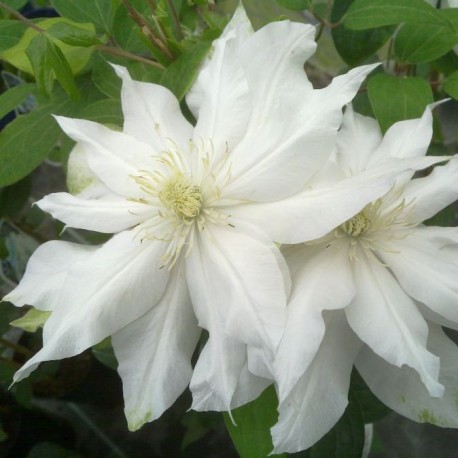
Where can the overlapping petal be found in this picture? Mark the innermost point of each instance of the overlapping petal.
(321, 282)
(114, 157)
(427, 269)
(321, 395)
(220, 97)
(46, 273)
(402, 390)
(388, 321)
(154, 353)
(431, 194)
(234, 273)
(109, 214)
(91, 301)
(152, 114)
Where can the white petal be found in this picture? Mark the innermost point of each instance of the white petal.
(357, 139)
(249, 387)
(234, 273)
(152, 114)
(323, 282)
(321, 395)
(406, 139)
(427, 270)
(314, 212)
(217, 371)
(108, 214)
(432, 193)
(45, 274)
(273, 61)
(220, 98)
(402, 390)
(387, 320)
(154, 353)
(108, 289)
(114, 157)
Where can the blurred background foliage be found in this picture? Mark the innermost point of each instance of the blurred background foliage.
(54, 58)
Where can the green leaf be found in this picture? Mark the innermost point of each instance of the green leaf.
(355, 46)
(98, 12)
(395, 99)
(32, 320)
(11, 32)
(417, 43)
(13, 97)
(104, 353)
(73, 35)
(251, 434)
(14, 198)
(371, 408)
(7, 313)
(24, 143)
(48, 61)
(451, 85)
(105, 78)
(346, 439)
(51, 450)
(297, 5)
(368, 14)
(38, 53)
(180, 75)
(15, 4)
(76, 56)
(107, 111)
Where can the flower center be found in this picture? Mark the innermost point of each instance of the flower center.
(358, 225)
(182, 196)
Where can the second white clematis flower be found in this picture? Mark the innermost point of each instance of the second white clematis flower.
(395, 279)
(181, 257)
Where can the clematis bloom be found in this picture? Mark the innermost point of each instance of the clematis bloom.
(385, 283)
(188, 250)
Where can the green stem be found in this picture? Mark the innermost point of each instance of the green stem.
(176, 20)
(121, 53)
(20, 17)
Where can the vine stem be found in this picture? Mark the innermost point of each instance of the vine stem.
(105, 49)
(122, 53)
(20, 17)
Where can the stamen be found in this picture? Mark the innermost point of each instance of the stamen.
(181, 196)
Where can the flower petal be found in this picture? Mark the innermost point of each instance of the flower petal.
(235, 273)
(314, 212)
(321, 395)
(46, 272)
(114, 157)
(402, 390)
(108, 214)
(432, 193)
(217, 370)
(152, 114)
(92, 299)
(219, 97)
(427, 270)
(323, 282)
(387, 320)
(357, 139)
(154, 353)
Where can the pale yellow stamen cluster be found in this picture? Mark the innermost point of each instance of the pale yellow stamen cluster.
(181, 196)
(376, 225)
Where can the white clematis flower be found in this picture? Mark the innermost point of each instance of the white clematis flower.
(187, 205)
(396, 281)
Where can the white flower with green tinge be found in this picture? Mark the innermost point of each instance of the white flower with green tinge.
(395, 280)
(193, 211)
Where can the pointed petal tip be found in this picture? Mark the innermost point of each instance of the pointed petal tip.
(121, 71)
